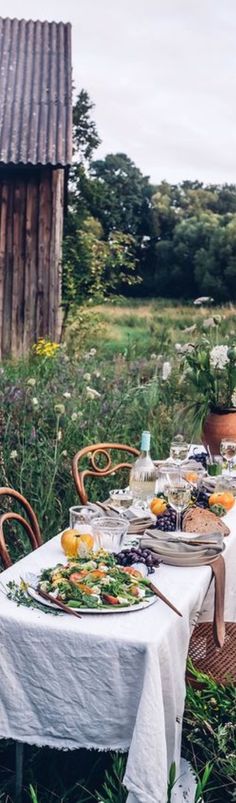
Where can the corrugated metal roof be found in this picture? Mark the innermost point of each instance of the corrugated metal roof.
(35, 92)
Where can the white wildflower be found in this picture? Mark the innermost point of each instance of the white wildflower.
(35, 401)
(67, 395)
(92, 393)
(208, 323)
(190, 329)
(59, 409)
(153, 356)
(87, 377)
(13, 454)
(233, 398)
(59, 435)
(74, 416)
(31, 381)
(178, 347)
(166, 370)
(219, 357)
(64, 453)
(93, 352)
(97, 374)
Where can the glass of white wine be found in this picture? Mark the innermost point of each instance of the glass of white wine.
(179, 495)
(179, 449)
(228, 451)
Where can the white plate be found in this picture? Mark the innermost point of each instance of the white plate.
(34, 594)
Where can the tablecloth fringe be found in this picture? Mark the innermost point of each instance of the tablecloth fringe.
(36, 742)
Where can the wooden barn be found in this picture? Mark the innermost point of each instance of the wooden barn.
(35, 153)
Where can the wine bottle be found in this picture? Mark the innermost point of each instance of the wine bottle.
(142, 481)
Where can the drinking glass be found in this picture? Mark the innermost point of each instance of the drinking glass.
(80, 516)
(109, 533)
(228, 451)
(179, 495)
(179, 449)
(122, 498)
(215, 465)
(166, 475)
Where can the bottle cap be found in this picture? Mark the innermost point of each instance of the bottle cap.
(145, 441)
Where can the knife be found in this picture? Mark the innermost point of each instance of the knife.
(161, 596)
(65, 608)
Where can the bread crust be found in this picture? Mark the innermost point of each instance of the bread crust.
(199, 520)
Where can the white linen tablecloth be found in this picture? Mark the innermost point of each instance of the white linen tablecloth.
(111, 681)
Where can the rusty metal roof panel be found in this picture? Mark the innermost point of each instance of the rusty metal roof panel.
(35, 92)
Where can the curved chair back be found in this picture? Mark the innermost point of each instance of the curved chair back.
(94, 452)
(31, 526)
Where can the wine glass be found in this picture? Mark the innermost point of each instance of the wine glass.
(179, 495)
(179, 449)
(228, 451)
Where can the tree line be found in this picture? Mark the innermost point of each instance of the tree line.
(126, 235)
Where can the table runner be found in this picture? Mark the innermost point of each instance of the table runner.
(105, 682)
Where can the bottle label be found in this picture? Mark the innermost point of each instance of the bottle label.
(145, 442)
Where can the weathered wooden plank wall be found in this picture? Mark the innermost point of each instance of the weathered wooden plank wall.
(31, 226)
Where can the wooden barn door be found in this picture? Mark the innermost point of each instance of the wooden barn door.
(31, 222)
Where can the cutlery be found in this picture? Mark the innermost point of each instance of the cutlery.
(161, 596)
(65, 608)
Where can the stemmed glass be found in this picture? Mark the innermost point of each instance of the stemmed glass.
(179, 449)
(228, 451)
(179, 495)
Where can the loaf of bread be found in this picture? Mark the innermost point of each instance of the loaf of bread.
(198, 520)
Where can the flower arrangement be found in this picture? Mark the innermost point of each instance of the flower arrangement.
(210, 379)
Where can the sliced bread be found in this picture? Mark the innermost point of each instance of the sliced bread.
(198, 520)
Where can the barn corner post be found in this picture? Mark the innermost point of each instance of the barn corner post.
(35, 154)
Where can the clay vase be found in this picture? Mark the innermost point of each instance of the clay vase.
(218, 425)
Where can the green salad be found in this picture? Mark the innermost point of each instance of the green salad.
(96, 581)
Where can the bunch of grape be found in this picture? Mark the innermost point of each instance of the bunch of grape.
(200, 457)
(202, 499)
(137, 555)
(167, 521)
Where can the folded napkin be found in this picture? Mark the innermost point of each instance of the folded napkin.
(191, 543)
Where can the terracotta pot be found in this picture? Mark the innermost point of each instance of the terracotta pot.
(218, 425)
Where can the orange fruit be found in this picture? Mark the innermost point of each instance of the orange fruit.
(158, 506)
(75, 543)
(224, 498)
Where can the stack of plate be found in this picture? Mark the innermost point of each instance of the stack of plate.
(189, 549)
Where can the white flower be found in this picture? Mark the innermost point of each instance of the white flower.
(35, 401)
(59, 409)
(31, 381)
(219, 357)
(97, 374)
(93, 352)
(67, 395)
(87, 377)
(64, 453)
(74, 416)
(208, 323)
(59, 435)
(13, 454)
(153, 356)
(233, 398)
(178, 347)
(166, 370)
(92, 393)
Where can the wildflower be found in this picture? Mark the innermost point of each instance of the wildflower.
(178, 347)
(59, 409)
(209, 323)
(87, 377)
(35, 401)
(166, 371)
(67, 395)
(59, 435)
(74, 416)
(45, 348)
(13, 454)
(92, 393)
(219, 357)
(97, 374)
(153, 356)
(31, 381)
(233, 398)
(93, 352)
(64, 453)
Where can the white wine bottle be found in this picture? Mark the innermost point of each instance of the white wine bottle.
(142, 481)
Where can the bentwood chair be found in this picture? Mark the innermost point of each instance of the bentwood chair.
(209, 659)
(31, 527)
(30, 524)
(94, 453)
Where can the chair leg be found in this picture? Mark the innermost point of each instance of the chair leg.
(19, 771)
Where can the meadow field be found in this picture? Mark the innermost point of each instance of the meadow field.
(119, 370)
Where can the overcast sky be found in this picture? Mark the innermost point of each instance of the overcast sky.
(162, 74)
